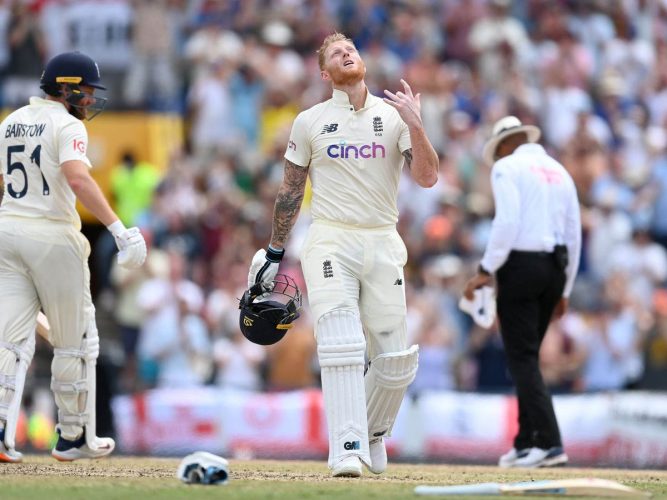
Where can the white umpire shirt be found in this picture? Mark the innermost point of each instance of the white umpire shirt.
(34, 141)
(355, 159)
(536, 209)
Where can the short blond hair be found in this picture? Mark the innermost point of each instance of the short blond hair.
(334, 37)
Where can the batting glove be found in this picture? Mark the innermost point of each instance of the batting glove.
(130, 243)
(264, 267)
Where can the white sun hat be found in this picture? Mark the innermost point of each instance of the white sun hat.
(502, 129)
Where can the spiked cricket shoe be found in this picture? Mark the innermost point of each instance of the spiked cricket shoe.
(67, 451)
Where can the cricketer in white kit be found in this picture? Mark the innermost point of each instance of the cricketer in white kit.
(353, 146)
(43, 255)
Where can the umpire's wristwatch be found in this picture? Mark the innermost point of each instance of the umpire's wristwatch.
(481, 270)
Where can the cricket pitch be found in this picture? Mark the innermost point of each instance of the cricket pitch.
(41, 477)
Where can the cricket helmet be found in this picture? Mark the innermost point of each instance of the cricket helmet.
(73, 69)
(267, 315)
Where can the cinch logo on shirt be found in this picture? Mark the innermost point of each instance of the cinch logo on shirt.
(373, 150)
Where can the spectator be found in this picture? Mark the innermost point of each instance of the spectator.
(498, 41)
(237, 362)
(26, 55)
(128, 314)
(643, 261)
(174, 346)
(151, 80)
(485, 346)
(291, 363)
(210, 105)
(133, 184)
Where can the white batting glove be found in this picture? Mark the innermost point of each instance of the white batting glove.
(130, 243)
(264, 267)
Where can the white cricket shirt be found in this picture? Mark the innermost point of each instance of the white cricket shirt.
(355, 159)
(34, 141)
(536, 209)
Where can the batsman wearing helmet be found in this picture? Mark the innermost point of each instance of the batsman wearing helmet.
(43, 255)
(353, 147)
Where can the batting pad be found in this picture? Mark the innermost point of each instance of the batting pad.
(340, 348)
(13, 384)
(74, 386)
(387, 379)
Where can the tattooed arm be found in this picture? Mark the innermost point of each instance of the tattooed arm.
(422, 159)
(288, 202)
(425, 177)
(407, 154)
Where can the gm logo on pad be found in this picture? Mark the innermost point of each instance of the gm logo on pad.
(352, 445)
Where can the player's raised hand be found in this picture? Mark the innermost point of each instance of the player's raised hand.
(406, 103)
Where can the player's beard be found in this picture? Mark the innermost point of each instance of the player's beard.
(348, 76)
(78, 112)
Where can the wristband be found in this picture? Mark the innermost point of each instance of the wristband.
(481, 270)
(274, 255)
(116, 228)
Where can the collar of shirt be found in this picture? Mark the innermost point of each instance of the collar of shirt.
(38, 101)
(530, 148)
(341, 98)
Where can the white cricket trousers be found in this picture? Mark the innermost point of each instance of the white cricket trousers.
(359, 270)
(45, 264)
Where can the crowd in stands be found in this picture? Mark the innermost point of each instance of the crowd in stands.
(592, 74)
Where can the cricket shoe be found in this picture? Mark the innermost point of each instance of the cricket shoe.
(378, 453)
(67, 451)
(8, 455)
(538, 457)
(509, 458)
(347, 467)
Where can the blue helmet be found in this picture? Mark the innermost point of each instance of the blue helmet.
(73, 69)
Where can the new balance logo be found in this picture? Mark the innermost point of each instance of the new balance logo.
(327, 129)
(399, 282)
(352, 445)
(327, 269)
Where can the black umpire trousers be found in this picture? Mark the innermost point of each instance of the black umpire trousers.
(530, 284)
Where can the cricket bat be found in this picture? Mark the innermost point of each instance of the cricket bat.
(581, 487)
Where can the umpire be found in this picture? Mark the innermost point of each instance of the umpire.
(533, 251)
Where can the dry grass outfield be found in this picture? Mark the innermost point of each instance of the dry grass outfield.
(41, 477)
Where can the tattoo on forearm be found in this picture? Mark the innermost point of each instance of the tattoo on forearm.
(407, 154)
(288, 202)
